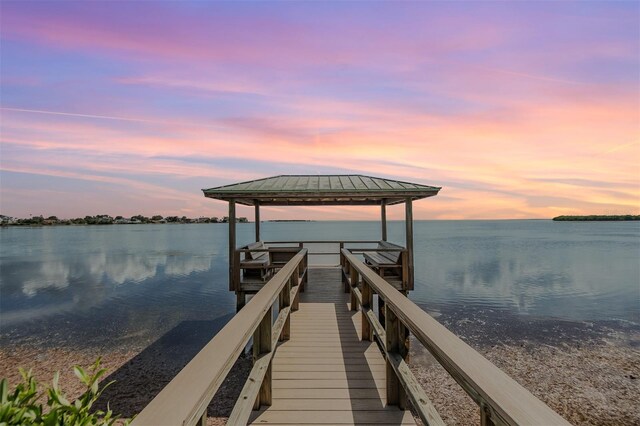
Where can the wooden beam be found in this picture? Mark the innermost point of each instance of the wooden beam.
(261, 346)
(395, 337)
(353, 285)
(383, 217)
(257, 219)
(409, 241)
(232, 243)
(367, 302)
(421, 402)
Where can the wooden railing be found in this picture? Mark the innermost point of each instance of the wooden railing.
(185, 399)
(308, 244)
(500, 398)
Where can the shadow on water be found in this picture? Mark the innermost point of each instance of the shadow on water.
(139, 380)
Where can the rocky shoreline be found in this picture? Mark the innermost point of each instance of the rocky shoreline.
(593, 382)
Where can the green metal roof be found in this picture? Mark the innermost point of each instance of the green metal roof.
(321, 190)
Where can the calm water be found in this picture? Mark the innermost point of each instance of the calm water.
(129, 285)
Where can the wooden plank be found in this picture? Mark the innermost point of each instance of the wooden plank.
(334, 417)
(249, 393)
(337, 368)
(326, 360)
(328, 384)
(371, 350)
(251, 389)
(342, 355)
(364, 374)
(262, 345)
(394, 343)
(327, 343)
(330, 393)
(421, 402)
(322, 404)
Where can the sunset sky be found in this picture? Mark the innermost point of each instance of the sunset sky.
(518, 110)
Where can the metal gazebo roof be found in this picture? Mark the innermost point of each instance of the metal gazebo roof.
(321, 190)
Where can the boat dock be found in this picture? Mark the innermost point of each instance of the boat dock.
(327, 371)
(329, 323)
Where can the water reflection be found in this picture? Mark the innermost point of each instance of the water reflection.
(532, 268)
(132, 283)
(58, 274)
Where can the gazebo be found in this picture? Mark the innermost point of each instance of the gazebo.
(321, 190)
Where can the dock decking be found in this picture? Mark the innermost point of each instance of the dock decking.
(325, 373)
(311, 365)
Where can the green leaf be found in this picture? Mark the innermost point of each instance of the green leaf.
(4, 391)
(79, 372)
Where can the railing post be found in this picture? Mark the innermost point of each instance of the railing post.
(485, 416)
(235, 276)
(285, 301)
(346, 277)
(405, 270)
(305, 278)
(295, 281)
(262, 345)
(395, 333)
(367, 302)
(354, 284)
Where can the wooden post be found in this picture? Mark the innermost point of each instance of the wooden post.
(296, 281)
(285, 301)
(257, 219)
(262, 345)
(240, 294)
(409, 241)
(305, 278)
(383, 217)
(354, 284)
(395, 336)
(345, 277)
(233, 264)
(485, 416)
(367, 303)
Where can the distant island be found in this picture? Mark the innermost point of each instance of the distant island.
(104, 219)
(290, 220)
(597, 218)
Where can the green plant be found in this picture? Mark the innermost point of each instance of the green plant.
(20, 407)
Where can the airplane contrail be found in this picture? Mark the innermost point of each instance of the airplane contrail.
(108, 117)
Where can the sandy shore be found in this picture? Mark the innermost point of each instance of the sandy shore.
(592, 384)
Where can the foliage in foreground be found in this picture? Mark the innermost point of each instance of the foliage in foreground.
(20, 407)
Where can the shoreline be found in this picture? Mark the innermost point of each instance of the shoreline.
(595, 383)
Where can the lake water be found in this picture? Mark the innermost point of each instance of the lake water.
(128, 285)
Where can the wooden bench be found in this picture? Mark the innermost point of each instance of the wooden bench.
(256, 264)
(388, 264)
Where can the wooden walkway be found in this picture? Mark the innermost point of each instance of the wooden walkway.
(325, 374)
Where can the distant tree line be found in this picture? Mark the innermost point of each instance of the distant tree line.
(104, 219)
(597, 218)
